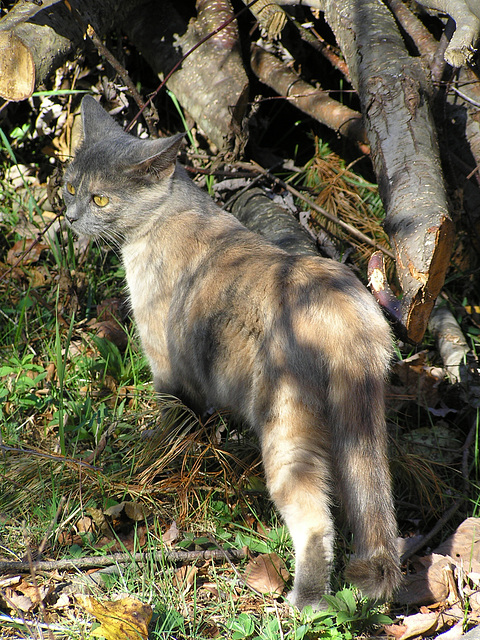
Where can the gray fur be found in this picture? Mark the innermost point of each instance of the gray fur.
(293, 345)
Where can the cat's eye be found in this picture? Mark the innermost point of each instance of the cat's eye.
(70, 188)
(101, 201)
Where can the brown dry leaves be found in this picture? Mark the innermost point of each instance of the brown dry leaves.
(448, 581)
(122, 526)
(267, 573)
(23, 594)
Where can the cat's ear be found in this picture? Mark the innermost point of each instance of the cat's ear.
(97, 124)
(160, 157)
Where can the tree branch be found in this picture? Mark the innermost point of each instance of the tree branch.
(119, 558)
(313, 101)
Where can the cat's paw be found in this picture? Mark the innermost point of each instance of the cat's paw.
(307, 599)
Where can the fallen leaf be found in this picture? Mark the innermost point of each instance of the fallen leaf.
(111, 330)
(111, 309)
(185, 577)
(85, 524)
(267, 573)
(428, 585)
(464, 545)
(125, 619)
(211, 587)
(9, 581)
(171, 535)
(51, 372)
(135, 511)
(412, 626)
(474, 602)
(36, 593)
(31, 248)
(19, 602)
(453, 633)
(115, 511)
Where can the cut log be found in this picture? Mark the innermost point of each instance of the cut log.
(17, 69)
(271, 17)
(451, 342)
(394, 94)
(42, 36)
(466, 14)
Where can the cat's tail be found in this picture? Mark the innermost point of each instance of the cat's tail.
(377, 577)
(359, 447)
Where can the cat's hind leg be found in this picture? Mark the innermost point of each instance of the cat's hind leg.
(296, 460)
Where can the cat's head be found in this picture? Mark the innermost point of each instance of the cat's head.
(115, 180)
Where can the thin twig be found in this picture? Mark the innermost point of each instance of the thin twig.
(49, 530)
(315, 40)
(39, 625)
(102, 443)
(90, 562)
(465, 97)
(34, 244)
(49, 456)
(123, 73)
(433, 532)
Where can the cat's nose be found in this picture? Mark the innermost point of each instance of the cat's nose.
(71, 215)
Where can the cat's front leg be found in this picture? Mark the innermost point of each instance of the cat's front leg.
(296, 460)
(165, 386)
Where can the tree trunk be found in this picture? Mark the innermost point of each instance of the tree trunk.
(211, 83)
(395, 101)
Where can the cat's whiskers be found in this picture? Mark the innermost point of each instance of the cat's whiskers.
(115, 239)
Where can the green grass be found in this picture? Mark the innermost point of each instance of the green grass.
(62, 388)
(82, 431)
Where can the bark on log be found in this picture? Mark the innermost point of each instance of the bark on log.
(395, 101)
(457, 118)
(259, 213)
(271, 17)
(211, 83)
(49, 33)
(423, 39)
(311, 100)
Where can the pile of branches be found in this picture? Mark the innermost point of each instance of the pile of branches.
(415, 110)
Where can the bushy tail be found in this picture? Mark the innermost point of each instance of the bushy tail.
(377, 577)
(359, 446)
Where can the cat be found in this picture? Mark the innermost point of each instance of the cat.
(293, 345)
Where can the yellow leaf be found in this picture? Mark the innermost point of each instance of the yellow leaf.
(125, 619)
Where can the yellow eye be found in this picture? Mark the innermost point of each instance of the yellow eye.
(70, 188)
(101, 201)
